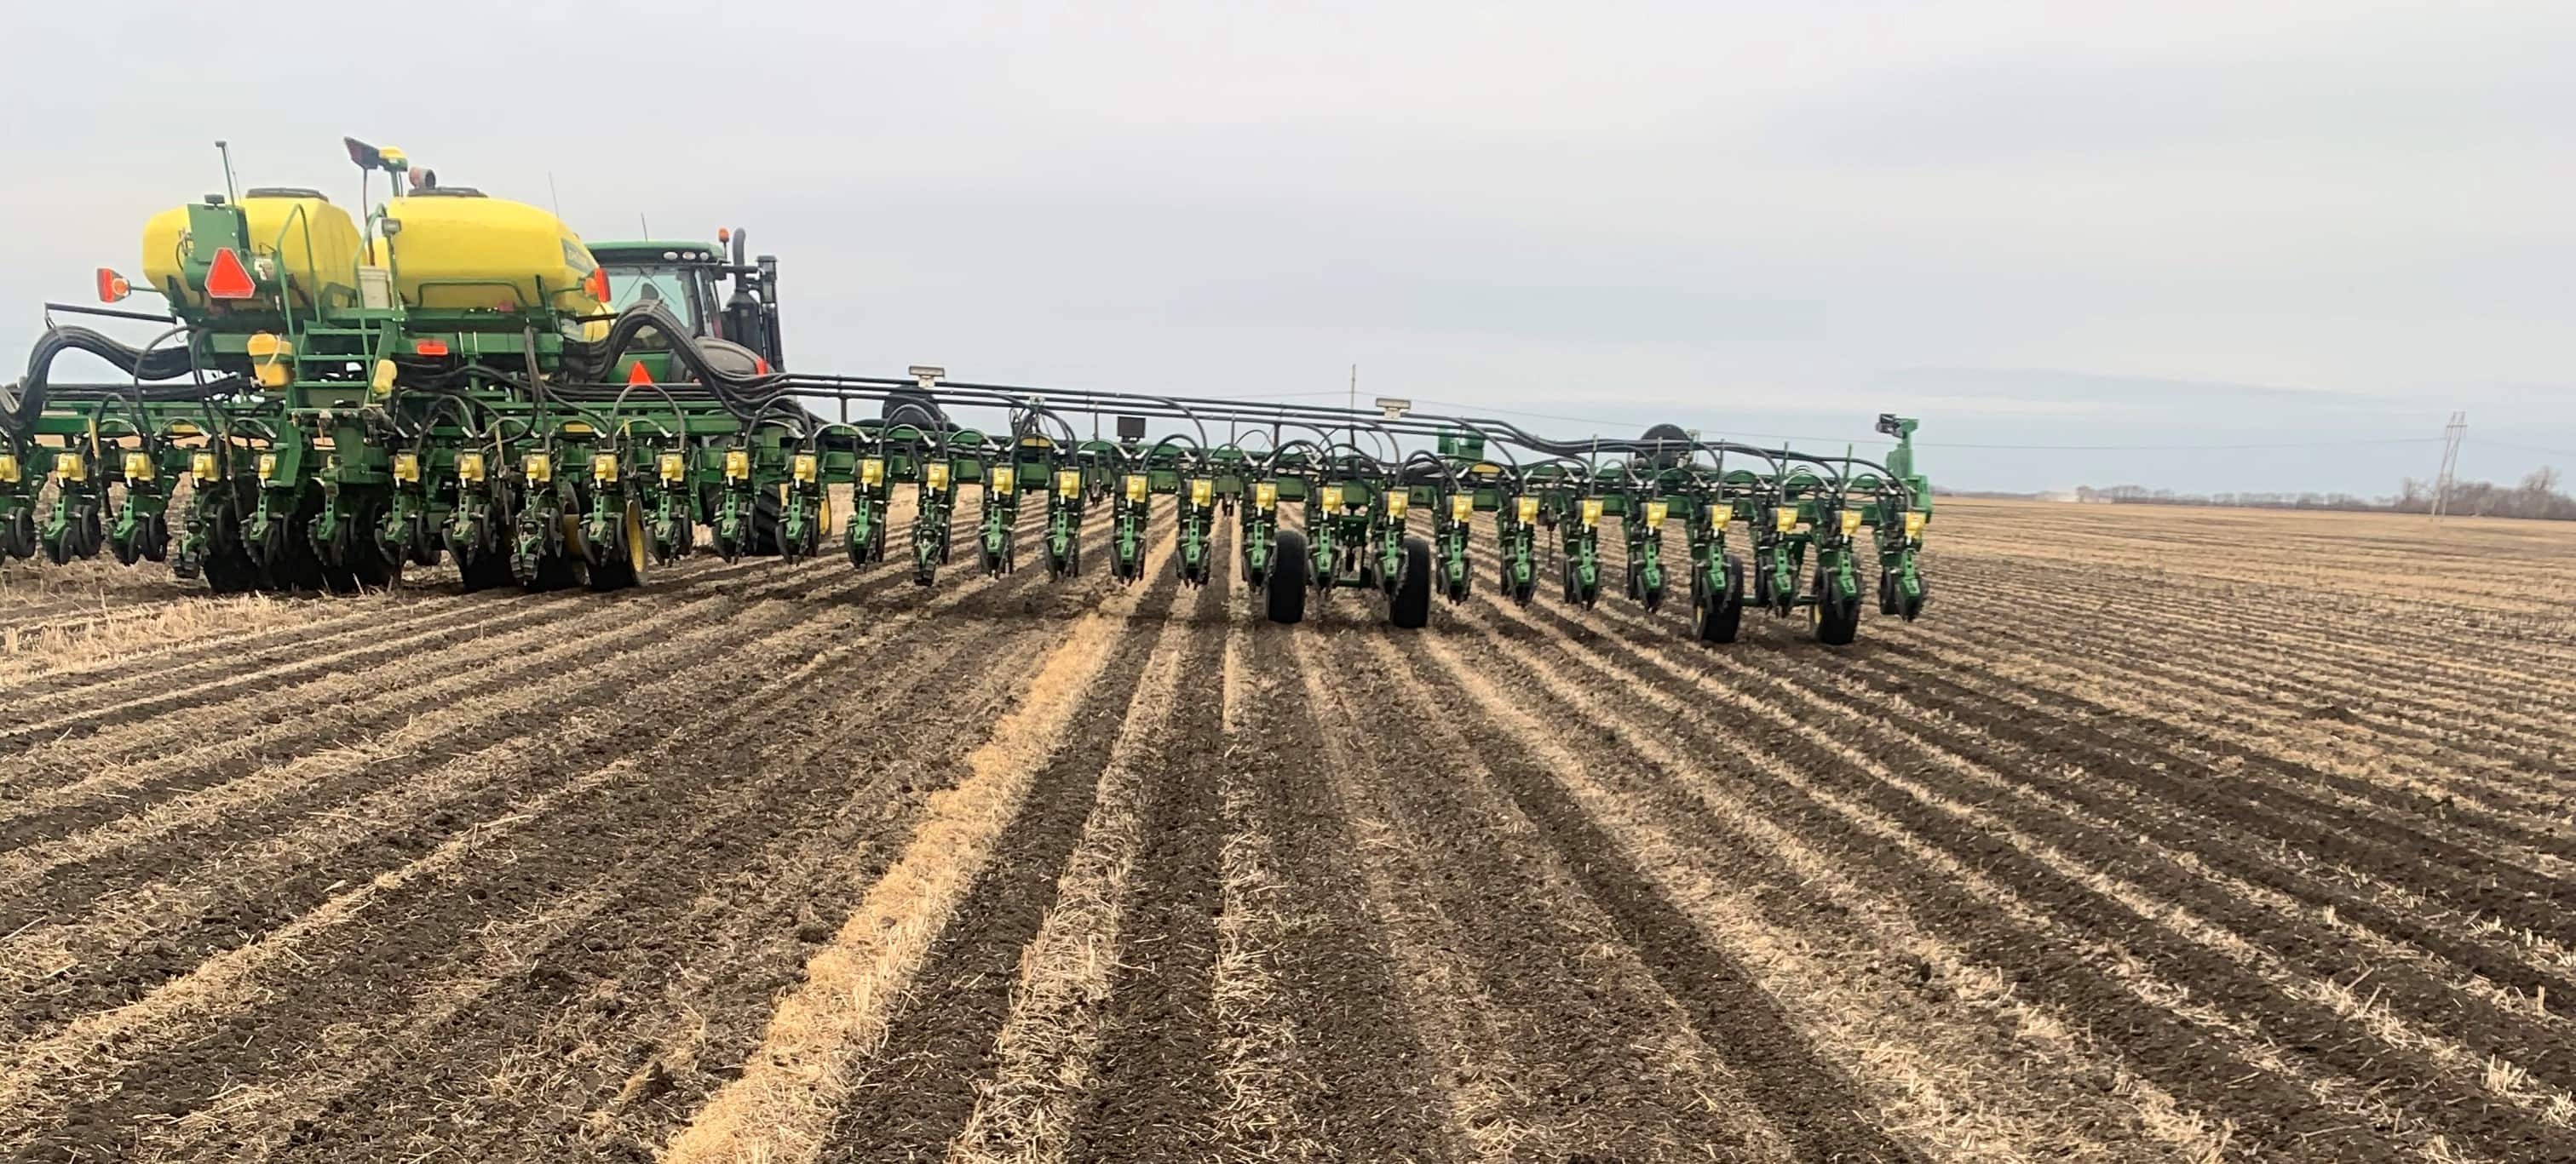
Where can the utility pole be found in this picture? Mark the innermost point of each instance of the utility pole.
(2449, 477)
(1355, 405)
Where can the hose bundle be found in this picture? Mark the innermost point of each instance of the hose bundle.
(21, 401)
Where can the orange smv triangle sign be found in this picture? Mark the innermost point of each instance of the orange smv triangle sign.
(227, 278)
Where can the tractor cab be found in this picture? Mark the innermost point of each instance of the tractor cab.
(689, 278)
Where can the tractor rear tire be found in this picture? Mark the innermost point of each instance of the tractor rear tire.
(1285, 592)
(1410, 606)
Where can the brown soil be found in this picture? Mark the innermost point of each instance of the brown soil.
(2168, 835)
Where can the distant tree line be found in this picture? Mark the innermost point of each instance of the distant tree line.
(2538, 496)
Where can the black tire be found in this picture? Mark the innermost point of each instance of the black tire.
(1286, 592)
(229, 571)
(488, 569)
(1837, 619)
(287, 562)
(1717, 616)
(622, 558)
(683, 538)
(92, 525)
(373, 564)
(375, 573)
(18, 534)
(1911, 610)
(424, 541)
(156, 537)
(759, 537)
(1410, 606)
(560, 572)
(767, 512)
(611, 575)
(1886, 592)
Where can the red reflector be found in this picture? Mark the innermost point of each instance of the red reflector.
(635, 373)
(430, 347)
(597, 285)
(112, 286)
(760, 365)
(228, 279)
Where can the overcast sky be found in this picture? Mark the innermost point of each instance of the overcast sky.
(2029, 224)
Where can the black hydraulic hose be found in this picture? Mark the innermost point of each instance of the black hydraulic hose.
(22, 401)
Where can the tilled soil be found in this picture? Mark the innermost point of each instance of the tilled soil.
(2166, 835)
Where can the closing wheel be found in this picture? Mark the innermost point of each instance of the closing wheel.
(91, 525)
(370, 563)
(286, 560)
(1836, 618)
(1410, 605)
(1521, 589)
(1286, 589)
(1716, 615)
(767, 514)
(621, 563)
(18, 534)
(488, 569)
(229, 571)
(674, 537)
(373, 571)
(128, 550)
(863, 549)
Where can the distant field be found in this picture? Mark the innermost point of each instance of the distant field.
(2167, 834)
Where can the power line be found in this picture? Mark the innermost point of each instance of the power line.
(2078, 448)
(2190, 448)
(2483, 442)
(1466, 409)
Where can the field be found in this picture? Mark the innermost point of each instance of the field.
(2167, 835)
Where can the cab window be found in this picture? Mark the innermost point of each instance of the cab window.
(675, 287)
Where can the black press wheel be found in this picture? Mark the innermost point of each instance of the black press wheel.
(1410, 605)
(1285, 591)
(229, 570)
(18, 534)
(621, 560)
(1910, 609)
(1717, 615)
(1836, 618)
